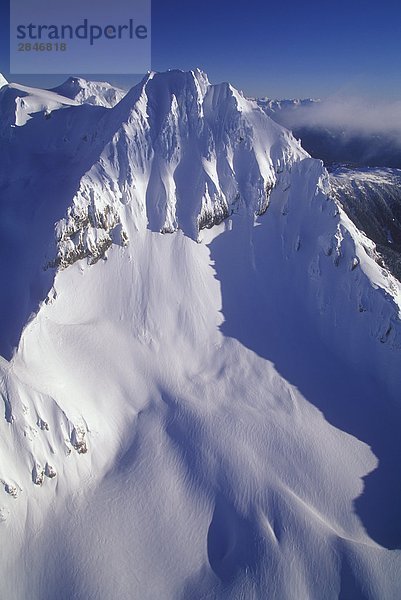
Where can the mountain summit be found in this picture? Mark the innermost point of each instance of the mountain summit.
(200, 357)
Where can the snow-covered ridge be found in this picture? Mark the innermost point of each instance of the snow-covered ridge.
(18, 103)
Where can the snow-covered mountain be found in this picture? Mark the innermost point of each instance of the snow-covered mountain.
(200, 357)
(99, 93)
(18, 103)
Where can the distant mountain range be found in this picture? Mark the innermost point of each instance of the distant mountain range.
(334, 131)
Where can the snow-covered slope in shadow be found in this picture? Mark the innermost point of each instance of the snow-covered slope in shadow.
(342, 355)
(48, 143)
(212, 413)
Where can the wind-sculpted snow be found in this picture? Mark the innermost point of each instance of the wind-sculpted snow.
(208, 414)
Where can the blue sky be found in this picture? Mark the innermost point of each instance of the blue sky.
(280, 49)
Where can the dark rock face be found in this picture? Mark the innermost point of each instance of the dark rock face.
(372, 199)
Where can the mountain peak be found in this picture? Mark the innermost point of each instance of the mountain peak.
(181, 124)
(172, 81)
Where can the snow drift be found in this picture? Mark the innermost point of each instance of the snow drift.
(200, 369)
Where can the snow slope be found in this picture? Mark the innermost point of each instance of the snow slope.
(211, 413)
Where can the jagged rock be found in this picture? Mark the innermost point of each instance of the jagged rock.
(264, 202)
(78, 440)
(355, 263)
(50, 471)
(38, 474)
(167, 229)
(87, 231)
(100, 251)
(213, 212)
(10, 489)
(43, 425)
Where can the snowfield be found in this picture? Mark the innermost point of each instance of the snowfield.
(200, 357)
